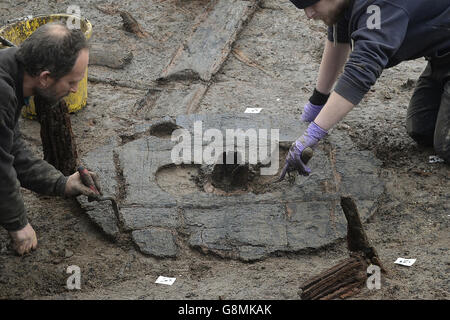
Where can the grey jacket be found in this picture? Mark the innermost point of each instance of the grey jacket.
(18, 166)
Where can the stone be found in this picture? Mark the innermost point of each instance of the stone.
(102, 214)
(114, 56)
(156, 242)
(102, 162)
(135, 218)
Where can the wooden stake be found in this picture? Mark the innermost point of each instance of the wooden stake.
(131, 25)
(56, 134)
(357, 240)
(348, 276)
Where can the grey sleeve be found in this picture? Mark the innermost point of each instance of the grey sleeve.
(34, 173)
(372, 50)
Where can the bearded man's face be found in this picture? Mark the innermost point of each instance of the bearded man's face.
(329, 11)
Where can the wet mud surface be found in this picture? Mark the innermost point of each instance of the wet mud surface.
(273, 65)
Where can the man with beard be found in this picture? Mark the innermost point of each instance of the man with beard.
(380, 34)
(50, 63)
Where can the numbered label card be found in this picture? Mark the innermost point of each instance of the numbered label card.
(435, 159)
(405, 262)
(253, 110)
(165, 280)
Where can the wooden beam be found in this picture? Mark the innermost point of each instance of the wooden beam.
(210, 42)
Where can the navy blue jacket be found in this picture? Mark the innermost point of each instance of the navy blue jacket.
(409, 29)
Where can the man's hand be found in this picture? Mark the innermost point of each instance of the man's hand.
(75, 187)
(310, 112)
(24, 240)
(302, 150)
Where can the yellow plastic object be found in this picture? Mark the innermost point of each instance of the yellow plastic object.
(20, 30)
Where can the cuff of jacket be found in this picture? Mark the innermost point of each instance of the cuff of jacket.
(350, 92)
(60, 186)
(318, 98)
(16, 225)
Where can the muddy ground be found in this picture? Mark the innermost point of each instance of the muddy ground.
(411, 221)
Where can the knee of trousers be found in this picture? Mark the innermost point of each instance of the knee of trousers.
(417, 132)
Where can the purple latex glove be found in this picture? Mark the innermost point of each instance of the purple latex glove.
(302, 150)
(310, 112)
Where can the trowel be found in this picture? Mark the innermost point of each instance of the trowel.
(89, 182)
(306, 156)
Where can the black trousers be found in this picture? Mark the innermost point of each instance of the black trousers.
(428, 116)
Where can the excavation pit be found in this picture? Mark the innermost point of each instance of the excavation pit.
(223, 178)
(163, 129)
(178, 179)
(229, 178)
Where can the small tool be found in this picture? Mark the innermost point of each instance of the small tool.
(89, 182)
(306, 156)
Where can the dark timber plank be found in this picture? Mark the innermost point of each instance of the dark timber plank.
(213, 35)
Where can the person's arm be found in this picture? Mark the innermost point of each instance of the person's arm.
(333, 61)
(373, 48)
(371, 54)
(12, 210)
(41, 177)
(19, 167)
(334, 111)
(34, 173)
